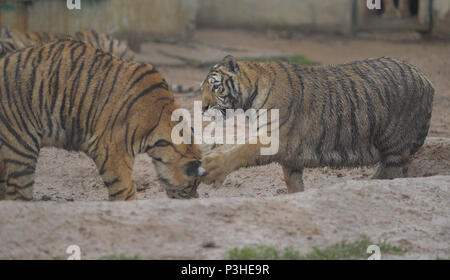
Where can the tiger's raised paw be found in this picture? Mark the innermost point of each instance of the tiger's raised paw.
(217, 168)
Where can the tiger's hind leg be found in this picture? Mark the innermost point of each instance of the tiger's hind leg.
(117, 175)
(2, 180)
(2, 175)
(19, 178)
(392, 166)
(294, 179)
(388, 172)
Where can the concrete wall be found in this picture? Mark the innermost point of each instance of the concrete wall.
(323, 15)
(154, 18)
(441, 18)
(175, 19)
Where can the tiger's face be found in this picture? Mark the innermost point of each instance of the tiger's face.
(178, 166)
(223, 89)
(178, 172)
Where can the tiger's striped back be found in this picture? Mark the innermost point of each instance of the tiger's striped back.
(22, 39)
(13, 39)
(105, 42)
(6, 46)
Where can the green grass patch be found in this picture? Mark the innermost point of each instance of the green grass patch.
(344, 250)
(263, 252)
(55, 258)
(353, 250)
(298, 59)
(121, 257)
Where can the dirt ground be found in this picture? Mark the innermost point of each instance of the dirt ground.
(252, 207)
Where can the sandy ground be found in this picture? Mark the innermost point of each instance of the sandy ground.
(252, 207)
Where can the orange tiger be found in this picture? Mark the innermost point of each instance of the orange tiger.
(70, 95)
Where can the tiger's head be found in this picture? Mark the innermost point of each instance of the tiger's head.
(178, 165)
(225, 86)
(149, 128)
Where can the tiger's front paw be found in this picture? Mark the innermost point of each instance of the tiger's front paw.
(217, 168)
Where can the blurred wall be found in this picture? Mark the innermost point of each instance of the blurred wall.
(154, 18)
(315, 15)
(175, 19)
(441, 18)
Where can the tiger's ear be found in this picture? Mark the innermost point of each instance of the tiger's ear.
(230, 64)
